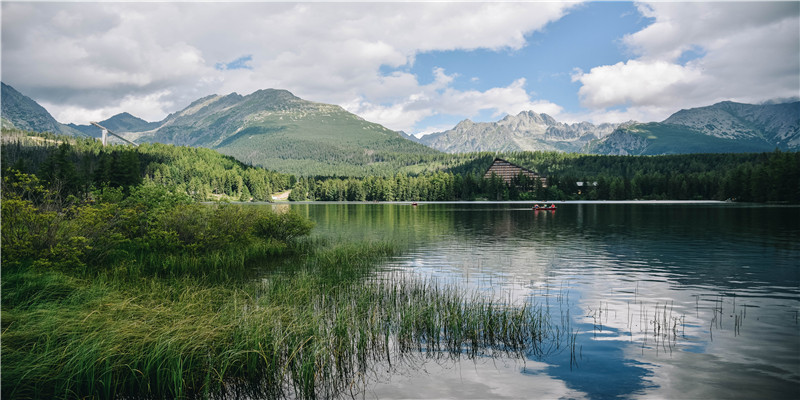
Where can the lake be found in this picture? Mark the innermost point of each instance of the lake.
(662, 300)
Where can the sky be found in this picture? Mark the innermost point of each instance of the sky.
(415, 67)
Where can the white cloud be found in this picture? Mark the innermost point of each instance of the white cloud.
(439, 98)
(87, 58)
(142, 106)
(635, 82)
(748, 52)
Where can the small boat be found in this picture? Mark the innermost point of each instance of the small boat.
(545, 208)
(414, 204)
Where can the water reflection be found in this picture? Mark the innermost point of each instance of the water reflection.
(666, 301)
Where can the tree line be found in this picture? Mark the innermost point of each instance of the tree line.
(75, 166)
(756, 177)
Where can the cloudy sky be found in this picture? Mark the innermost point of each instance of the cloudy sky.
(416, 67)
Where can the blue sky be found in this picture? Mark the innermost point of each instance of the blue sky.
(588, 36)
(416, 67)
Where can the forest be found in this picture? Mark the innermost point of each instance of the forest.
(77, 166)
(752, 177)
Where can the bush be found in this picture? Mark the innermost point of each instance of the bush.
(282, 227)
(150, 231)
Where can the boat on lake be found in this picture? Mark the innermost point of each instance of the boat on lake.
(545, 208)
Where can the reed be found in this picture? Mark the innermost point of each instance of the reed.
(311, 327)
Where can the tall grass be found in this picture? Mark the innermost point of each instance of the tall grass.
(147, 296)
(311, 331)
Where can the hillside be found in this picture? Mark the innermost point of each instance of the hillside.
(123, 122)
(661, 138)
(777, 124)
(725, 127)
(275, 129)
(22, 112)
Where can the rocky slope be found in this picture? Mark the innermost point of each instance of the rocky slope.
(722, 127)
(778, 124)
(527, 130)
(725, 127)
(24, 113)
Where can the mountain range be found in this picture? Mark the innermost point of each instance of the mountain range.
(22, 112)
(278, 130)
(725, 127)
(526, 131)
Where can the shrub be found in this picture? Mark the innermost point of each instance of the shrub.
(283, 226)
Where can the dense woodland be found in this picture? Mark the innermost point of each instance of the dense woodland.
(762, 177)
(77, 166)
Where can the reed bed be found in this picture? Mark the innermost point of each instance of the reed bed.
(312, 327)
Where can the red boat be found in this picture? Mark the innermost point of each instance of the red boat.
(545, 208)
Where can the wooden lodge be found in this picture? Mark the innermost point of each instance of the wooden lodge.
(508, 171)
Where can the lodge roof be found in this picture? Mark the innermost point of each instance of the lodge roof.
(500, 160)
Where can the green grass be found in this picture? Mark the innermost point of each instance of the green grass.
(150, 297)
(307, 331)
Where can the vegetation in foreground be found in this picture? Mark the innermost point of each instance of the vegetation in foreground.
(151, 296)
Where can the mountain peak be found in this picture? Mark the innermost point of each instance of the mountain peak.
(25, 113)
(778, 124)
(527, 131)
(273, 95)
(465, 124)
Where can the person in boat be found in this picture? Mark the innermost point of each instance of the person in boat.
(535, 206)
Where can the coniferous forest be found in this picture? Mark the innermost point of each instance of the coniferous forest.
(76, 166)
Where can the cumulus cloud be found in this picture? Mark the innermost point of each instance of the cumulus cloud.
(696, 54)
(88, 58)
(149, 104)
(439, 98)
(643, 83)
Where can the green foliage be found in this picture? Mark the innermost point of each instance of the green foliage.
(299, 192)
(72, 167)
(747, 177)
(282, 227)
(139, 231)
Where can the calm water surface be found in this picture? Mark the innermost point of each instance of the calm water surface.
(677, 301)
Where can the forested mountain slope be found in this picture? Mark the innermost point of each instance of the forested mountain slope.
(276, 129)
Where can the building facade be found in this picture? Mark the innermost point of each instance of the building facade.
(508, 171)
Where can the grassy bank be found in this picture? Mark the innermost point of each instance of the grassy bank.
(150, 297)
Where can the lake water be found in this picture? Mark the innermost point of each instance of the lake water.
(678, 301)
